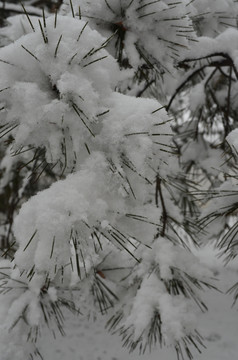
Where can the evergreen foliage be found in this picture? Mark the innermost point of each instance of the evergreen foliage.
(119, 156)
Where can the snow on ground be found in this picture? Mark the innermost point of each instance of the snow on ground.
(89, 341)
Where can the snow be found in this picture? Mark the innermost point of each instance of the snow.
(40, 93)
(18, 8)
(18, 26)
(197, 96)
(212, 17)
(220, 44)
(232, 140)
(58, 94)
(154, 25)
(88, 340)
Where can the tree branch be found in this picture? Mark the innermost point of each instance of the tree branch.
(227, 61)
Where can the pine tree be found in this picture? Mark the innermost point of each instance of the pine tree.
(101, 196)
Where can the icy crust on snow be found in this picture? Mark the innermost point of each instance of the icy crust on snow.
(160, 28)
(55, 88)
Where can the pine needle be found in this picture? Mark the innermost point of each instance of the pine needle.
(52, 248)
(55, 22)
(72, 9)
(57, 46)
(83, 28)
(94, 61)
(28, 17)
(32, 237)
(76, 109)
(42, 33)
(29, 52)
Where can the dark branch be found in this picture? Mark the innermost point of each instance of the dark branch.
(159, 194)
(227, 61)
